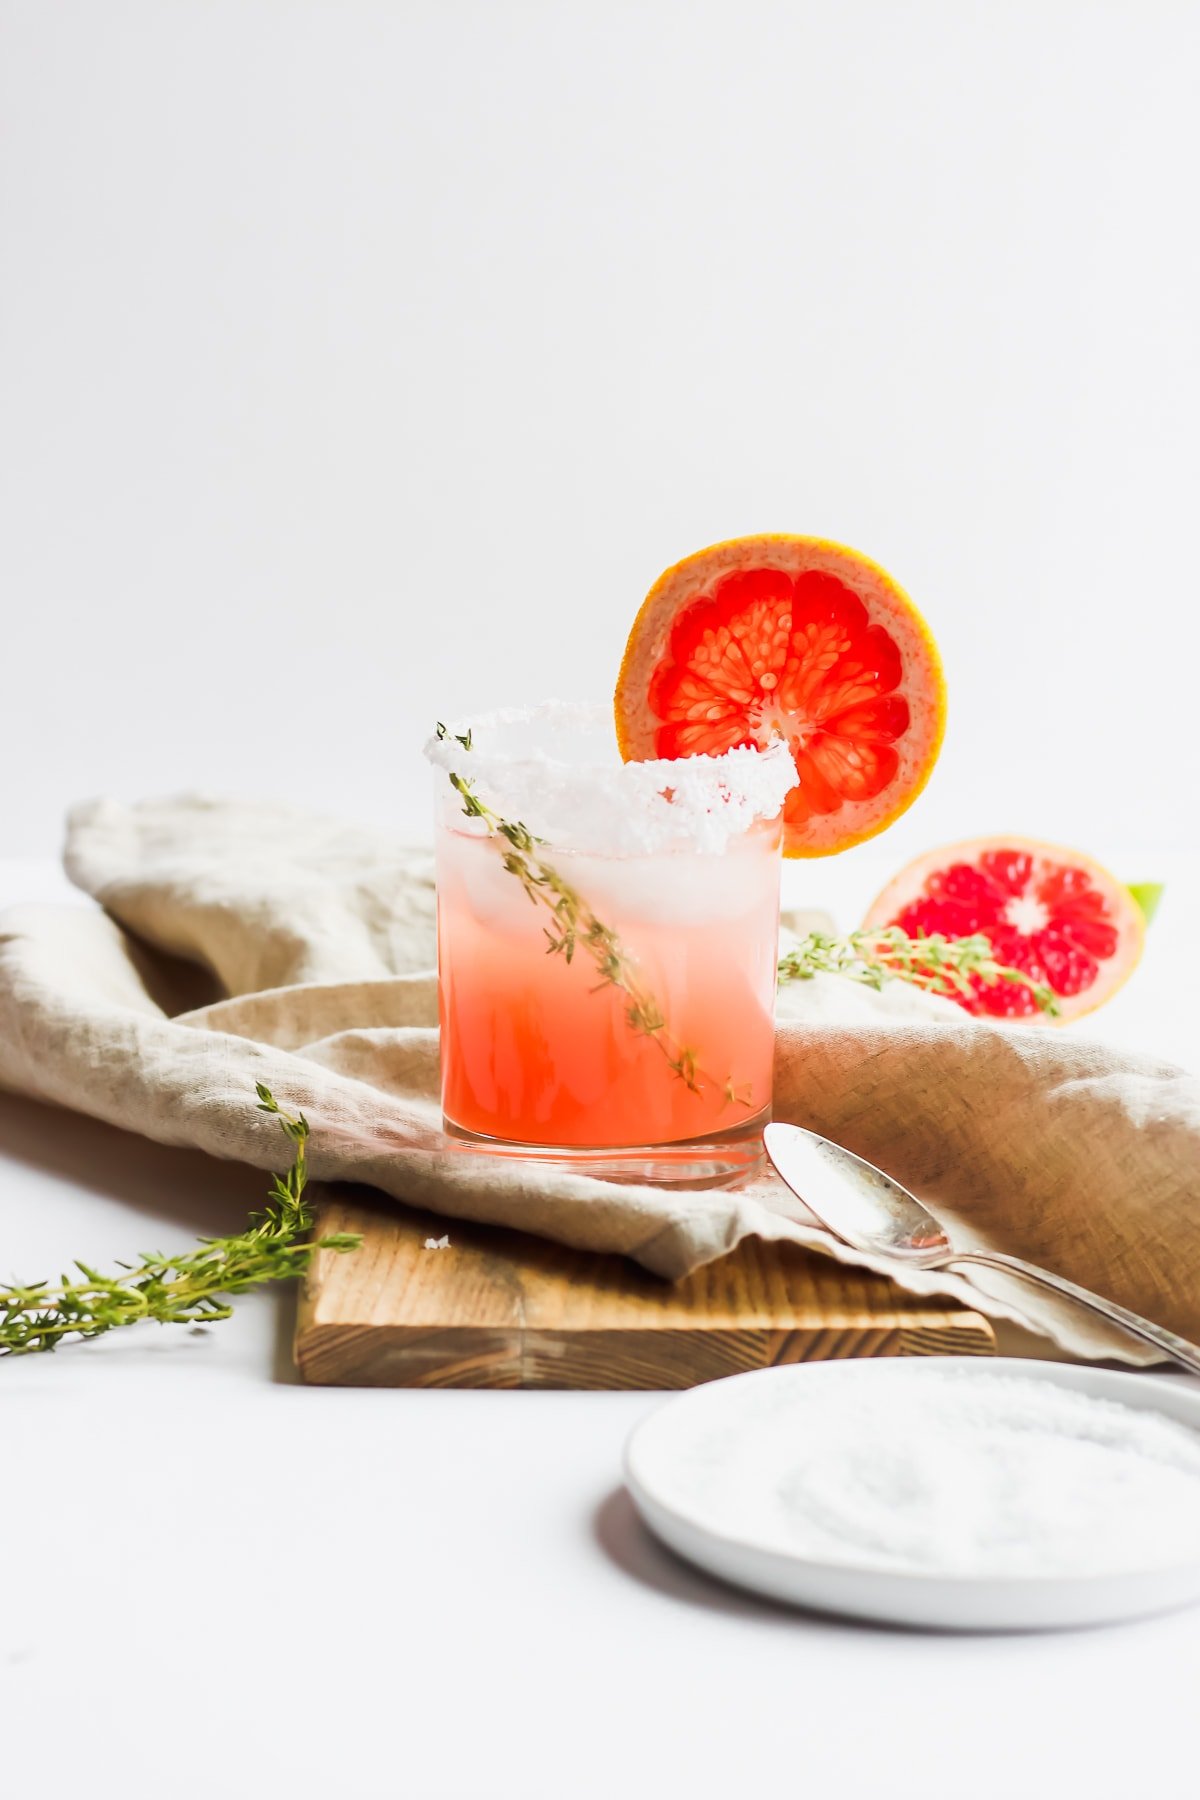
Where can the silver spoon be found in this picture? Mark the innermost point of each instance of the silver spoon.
(869, 1211)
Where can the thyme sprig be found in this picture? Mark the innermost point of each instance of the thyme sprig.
(574, 927)
(188, 1289)
(940, 965)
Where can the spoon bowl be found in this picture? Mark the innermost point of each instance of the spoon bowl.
(858, 1202)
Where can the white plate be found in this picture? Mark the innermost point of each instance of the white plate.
(662, 1445)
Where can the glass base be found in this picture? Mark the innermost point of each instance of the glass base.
(724, 1159)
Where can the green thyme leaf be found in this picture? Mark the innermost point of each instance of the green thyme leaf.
(276, 1245)
(940, 965)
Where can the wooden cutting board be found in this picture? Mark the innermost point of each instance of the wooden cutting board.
(498, 1309)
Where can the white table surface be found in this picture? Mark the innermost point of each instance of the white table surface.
(365, 361)
(216, 1580)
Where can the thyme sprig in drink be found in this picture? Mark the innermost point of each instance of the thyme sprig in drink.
(607, 936)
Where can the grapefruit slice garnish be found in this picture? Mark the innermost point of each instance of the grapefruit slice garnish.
(1052, 913)
(792, 635)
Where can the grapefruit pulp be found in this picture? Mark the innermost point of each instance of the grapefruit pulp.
(791, 635)
(1052, 913)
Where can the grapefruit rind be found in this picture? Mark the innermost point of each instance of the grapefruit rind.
(923, 687)
(1127, 916)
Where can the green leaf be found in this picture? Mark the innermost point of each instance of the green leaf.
(1147, 894)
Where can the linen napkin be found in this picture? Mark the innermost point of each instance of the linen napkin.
(237, 943)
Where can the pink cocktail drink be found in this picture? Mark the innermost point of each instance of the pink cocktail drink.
(542, 1051)
(607, 940)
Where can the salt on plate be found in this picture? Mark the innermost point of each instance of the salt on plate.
(950, 1473)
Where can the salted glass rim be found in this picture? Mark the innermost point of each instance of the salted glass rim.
(596, 802)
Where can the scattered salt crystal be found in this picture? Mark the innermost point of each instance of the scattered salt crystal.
(442, 1243)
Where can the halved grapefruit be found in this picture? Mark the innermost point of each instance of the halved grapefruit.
(773, 634)
(1052, 913)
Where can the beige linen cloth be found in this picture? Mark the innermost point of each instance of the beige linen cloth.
(241, 943)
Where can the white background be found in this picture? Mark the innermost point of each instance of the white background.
(362, 363)
(365, 362)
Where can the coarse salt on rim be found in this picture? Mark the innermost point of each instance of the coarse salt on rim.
(562, 777)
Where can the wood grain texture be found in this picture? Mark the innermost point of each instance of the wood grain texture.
(502, 1310)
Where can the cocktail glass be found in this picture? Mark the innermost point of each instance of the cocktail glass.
(607, 946)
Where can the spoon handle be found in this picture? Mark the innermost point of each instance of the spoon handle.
(1176, 1347)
